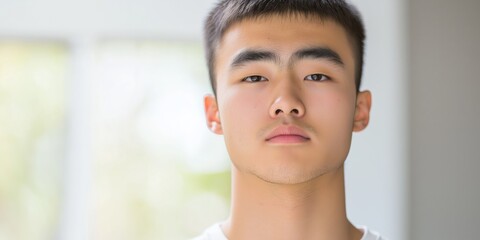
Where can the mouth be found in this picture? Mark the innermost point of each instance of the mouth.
(287, 135)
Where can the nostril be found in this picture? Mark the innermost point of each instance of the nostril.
(294, 111)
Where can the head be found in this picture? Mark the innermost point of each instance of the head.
(286, 77)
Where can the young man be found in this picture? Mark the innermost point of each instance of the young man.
(286, 77)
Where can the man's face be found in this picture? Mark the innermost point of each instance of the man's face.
(286, 97)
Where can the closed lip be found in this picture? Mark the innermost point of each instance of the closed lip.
(287, 130)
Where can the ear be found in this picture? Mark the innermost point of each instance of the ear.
(362, 111)
(212, 115)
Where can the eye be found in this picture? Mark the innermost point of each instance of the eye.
(254, 78)
(317, 77)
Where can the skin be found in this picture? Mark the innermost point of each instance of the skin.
(287, 189)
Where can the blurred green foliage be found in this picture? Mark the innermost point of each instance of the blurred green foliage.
(32, 127)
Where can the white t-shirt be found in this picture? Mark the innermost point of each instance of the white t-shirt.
(215, 233)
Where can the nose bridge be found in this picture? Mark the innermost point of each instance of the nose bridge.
(287, 97)
(288, 89)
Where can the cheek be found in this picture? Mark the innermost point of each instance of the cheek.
(331, 115)
(240, 113)
(333, 111)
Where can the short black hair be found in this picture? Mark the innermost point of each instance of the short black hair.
(227, 12)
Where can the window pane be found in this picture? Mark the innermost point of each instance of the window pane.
(158, 172)
(32, 120)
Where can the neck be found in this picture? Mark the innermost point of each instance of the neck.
(310, 210)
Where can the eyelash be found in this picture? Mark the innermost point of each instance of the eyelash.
(319, 78)
(254, 76)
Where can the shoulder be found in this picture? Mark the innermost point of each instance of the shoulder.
(214, 232)
(369, 234)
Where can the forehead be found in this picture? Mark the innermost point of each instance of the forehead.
(284, 35)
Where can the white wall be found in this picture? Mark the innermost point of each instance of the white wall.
(377, 166)
(144, 18)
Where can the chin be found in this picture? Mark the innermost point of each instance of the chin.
(288, 167)
(290, 175)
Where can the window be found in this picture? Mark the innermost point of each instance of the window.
(154, 172)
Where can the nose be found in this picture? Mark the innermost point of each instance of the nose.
(287, 102)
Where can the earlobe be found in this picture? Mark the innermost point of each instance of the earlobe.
(212, 114)
(362, 111)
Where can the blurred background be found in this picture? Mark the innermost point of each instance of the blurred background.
(102, 134)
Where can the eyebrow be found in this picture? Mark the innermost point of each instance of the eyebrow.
(253, 55)
(318, 53)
